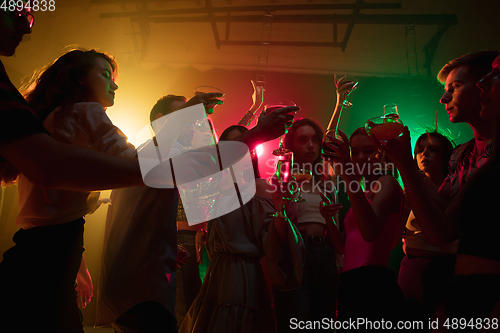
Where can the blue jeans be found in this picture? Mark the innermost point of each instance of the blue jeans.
(315, 299)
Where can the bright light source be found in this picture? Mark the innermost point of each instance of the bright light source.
(259, 149)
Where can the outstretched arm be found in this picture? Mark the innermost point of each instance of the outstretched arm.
(269, 127)
(52, 164)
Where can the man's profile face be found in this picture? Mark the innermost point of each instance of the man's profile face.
(11, 33)
(461, 96)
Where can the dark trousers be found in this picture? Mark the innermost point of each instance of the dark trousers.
(187, 277)
(315, 299)
(424, 281)
(370, 292)
(37, 279)
(472, 297)
(147, 317)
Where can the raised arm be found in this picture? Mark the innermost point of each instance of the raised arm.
(343, 88)
(269, 127)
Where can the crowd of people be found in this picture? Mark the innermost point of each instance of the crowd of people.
(326, 271)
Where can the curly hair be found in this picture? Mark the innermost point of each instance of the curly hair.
(59, 83)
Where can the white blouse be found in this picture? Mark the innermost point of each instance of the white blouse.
(85, 125)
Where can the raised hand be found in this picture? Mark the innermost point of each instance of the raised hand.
(328, 209)
(344, 88)
(209, 100)
(398, 149)
(342, 158)
(274, 124)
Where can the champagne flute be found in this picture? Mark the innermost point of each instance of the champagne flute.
(284, 163)
(268, 108)
(386, 127)
(301, 175)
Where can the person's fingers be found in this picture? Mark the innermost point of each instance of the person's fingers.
(333, 207)
(286, 109)
(86, 299)
(212, 102)
(344, 137)
(337, 149)
(324, 198)
(199, 256)
(340, 81)
(212, 95)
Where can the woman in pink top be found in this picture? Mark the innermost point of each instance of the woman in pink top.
(373, 226)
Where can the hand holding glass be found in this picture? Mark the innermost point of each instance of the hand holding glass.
(347, 80)
(268, 108)
(387, 127)
(209, 108)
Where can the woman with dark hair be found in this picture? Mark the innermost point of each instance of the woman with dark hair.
(315, 299)
(231, 133)
(70, 97)
(372, 227)
(426, 269)
(234, 295)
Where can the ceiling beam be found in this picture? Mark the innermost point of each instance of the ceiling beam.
(350, 25)
(233, 9)
(396, 19)
(431, 47)
(213, 23)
